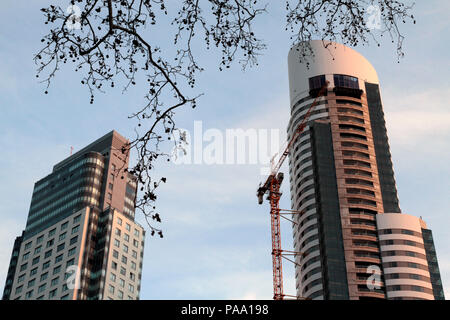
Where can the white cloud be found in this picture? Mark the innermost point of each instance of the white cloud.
(418, 119)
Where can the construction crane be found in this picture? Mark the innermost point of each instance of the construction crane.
(272, 188)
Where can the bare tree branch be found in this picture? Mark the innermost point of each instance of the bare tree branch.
(110, 41)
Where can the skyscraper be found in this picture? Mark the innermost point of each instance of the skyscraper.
(80, 239)
(342, 180)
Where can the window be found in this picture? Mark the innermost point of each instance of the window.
(33, 272)
(120, 294)
(45, 265)
(128, 227)
(116, 254)
(25, 256)
(71, 251)
(55, 281)
(134, 254)
(70, 262)
(125, 248)
(56, 269)
(126, 237)
(109, 195)
(113, 167)
(114, 265)
(131, 288)
(122, 283)
(117, 232)
(136, 232)
(123, 271)
(52, 293)
(21, 278)
(77, 219)
(316, 82)
(73, 240)
(64, 225)
(50, 242)
(111, 289)
(31, 283)
(39, 239)
(59, 258)
(124, 259)
(132, 276)
(62, 236)
(64, 287)
(47, 254)
(60, 247)
(27, 246)
(23, 267)
(112, 277)
(136, 243)
(133, 265)
(29, 294)
(110, 186)
(52, 232)
(44, 276)
(19, 289)
(65, 297)
(119, 221)
(341, 80)
(35, 260)
(42, 288)
(392, 264)
(75, 229)
(37, 250)
(117, 243)
(111, 176)
(408, 232)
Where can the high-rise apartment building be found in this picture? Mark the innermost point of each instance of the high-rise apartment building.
(81, 240)
(356, 244)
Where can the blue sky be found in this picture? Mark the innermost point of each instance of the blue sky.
(217, 239)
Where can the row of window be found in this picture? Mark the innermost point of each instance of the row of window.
(62, 208)
(79, 178)
(41, 289)
(45, 275)
(400, 231)
(52, 232)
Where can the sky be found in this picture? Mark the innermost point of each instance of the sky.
(217, 241)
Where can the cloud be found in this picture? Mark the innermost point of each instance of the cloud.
(418, 121)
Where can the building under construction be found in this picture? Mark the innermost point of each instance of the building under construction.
(351, 240)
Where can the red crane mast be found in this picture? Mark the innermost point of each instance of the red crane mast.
(272, 187)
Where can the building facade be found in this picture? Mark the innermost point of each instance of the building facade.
(81, 240)
(341, 176)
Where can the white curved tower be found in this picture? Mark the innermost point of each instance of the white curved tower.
(406, 269)
(341, 174)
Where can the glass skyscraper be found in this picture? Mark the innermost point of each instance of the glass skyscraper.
(342, 182)
(80, 239)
